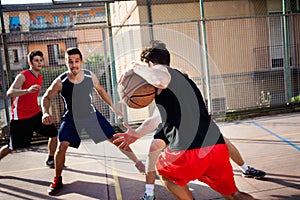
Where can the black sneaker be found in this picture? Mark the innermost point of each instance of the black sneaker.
(55, 186)
(254, 173)
(50, 163)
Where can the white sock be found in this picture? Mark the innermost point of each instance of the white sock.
(244, 167)
(149, 189)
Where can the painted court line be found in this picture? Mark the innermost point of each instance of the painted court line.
(116, 181)
(276, 135)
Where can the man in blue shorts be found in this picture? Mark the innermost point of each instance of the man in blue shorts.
(26, 116)
(75, 86)
(196, 149)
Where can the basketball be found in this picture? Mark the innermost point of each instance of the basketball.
(135, 92)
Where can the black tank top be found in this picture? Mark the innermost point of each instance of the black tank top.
(185, 119)
(77, 97)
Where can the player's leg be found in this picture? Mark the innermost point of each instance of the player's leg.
(234, 153)
(104, 131)
(20, 137)
(48, 131)
(131, 155)
(180, 192)
(59, 159)
(157, 145)
(4, 151)
(219, 175)
(238, 159)
(68, 136)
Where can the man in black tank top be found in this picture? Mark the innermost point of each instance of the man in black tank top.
(75, 86)
(196, 147)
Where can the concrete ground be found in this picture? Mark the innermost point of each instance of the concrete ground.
(100, 171)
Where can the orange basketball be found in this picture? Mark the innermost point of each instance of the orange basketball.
(135, 92)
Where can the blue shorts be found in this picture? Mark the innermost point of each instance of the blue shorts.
(95, 126)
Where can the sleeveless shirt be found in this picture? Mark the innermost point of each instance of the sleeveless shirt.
(26, 106)
(77, 97)
(185, 119)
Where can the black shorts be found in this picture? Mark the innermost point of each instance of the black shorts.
(21, 131)
(159, 134)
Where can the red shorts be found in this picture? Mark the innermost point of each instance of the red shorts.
(210, 165)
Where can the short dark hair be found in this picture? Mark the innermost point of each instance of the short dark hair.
(156, 53)
(33, 54)
(73, 51)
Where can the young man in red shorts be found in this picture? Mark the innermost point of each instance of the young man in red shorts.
(26, 113)
(196, 149)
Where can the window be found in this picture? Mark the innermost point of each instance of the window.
(53, 54)
(56, 19)
(100, 14)
(13, 56)
(67, 20)
(85, 14)
(41, 21)
(14, 23)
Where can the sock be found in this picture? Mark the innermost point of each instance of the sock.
(149, 189)
(50, 158)
(244, 167)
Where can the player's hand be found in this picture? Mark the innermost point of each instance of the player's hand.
(47, 119)
(34, 88)
(123, 140)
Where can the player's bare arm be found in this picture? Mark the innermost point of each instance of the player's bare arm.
(16, 90)
(50, 93)
(103, 94)
(131, 135)
(157, 75)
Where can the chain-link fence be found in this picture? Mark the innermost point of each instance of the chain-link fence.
(238, 62)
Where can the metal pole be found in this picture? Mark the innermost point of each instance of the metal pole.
(287, 71)
(107, 75)
(112, 57)
(5, 99)
(205, 58)
(200, 57)
(5, 48)
(6, 106)
(150, 19)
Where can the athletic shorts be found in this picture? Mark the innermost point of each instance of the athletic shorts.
(159, 134)
(21, 131)
(95, 126)
(210, 165)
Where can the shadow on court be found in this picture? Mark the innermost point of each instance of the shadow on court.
(101, 171)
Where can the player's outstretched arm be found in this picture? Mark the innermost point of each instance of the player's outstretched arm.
(16, 90)
(103, 94)
(50, 93)
(131, 135)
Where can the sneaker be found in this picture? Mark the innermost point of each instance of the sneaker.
(141, 167)
(254, 173)
(50, 163)
(146, 197)
(55, 186)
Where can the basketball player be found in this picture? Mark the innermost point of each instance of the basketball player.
(26, 115)
(196, 149)
(75, 87)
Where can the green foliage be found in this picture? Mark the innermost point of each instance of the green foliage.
(296, 99)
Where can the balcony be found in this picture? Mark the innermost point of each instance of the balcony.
(76, 21)
(48, 25)
(89, 20)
